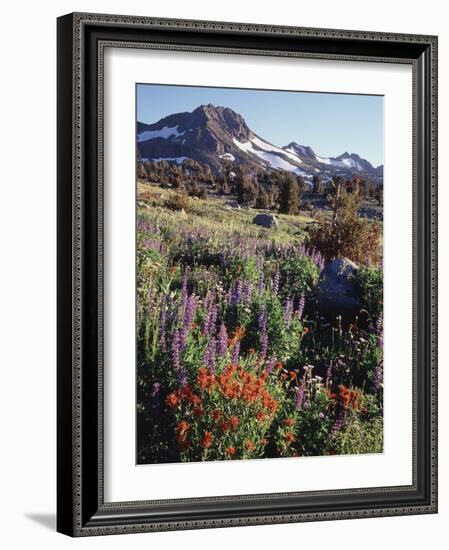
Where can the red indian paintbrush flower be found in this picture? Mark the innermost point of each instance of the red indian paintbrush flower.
(207, 439)
(182, 427)
(172, 400)
(234, 421)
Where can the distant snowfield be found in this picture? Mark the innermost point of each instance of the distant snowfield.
(324, 160)
(270, 148)
(269, 154)
(342, 163)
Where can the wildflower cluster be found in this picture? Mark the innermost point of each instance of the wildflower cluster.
(225, 415)
(232, 360)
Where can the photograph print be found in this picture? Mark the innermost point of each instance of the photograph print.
(259, 274)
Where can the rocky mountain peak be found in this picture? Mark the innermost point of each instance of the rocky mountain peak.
(214, 134)
(301, 150)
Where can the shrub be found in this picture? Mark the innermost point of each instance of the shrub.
(299, 274)
(359, 436)
(369, 282)
(345, 234)
(179, 201)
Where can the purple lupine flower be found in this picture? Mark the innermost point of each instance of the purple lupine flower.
(211, 320)
(270, 364)
(237, 296)
(155, 389)
(300, 310)
(172, 309)
(207, 300)
(288, 311)
(176, 350)
(189, 314)
(209, 354)
(339, 422)
(378, 377)
(182, 377)
(222, 340)
(329, 371)
(299, 396)
(262, 322)
(276, 280)
(235, 353)
(248, 288)
(176, 358)
(263, 345)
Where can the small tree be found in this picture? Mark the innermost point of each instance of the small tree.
(223, 186)
(302, 185)
(364, 188)
(289, 195)
(202, 193)
(245, 189)
(141, 172)
(262, 198)
(346, 234)
(379, 194)
(318, 186)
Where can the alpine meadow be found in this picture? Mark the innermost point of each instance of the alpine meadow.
(259, 274)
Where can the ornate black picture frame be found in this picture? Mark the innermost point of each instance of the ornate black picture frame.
(81, 509)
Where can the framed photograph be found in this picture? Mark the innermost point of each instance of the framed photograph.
(247, 274)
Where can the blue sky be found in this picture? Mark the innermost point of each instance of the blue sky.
(330, 123)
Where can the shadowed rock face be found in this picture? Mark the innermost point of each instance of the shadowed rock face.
(202, 135)
(337, 290)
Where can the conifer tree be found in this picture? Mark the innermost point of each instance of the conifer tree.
(318, 184)
(289, 195)
(262, 198)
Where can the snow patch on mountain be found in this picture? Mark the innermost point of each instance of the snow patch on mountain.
(228, 156)
(164, 133)
(268, 155)
(265, 146)
(324, 160)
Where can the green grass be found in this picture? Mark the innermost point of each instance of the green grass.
(216, 215)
